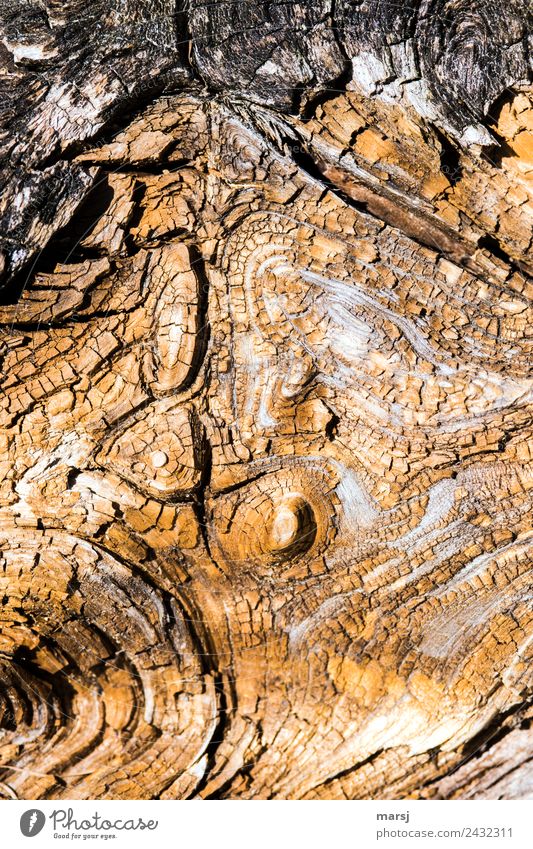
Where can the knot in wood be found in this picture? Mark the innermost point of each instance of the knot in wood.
(292, 527)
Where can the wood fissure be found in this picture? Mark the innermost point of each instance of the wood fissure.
(265, 417)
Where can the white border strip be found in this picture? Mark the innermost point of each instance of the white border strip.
(283, 825)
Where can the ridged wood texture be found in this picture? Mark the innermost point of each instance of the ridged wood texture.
(265, 457)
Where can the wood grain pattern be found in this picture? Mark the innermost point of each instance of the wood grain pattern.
(266, 445)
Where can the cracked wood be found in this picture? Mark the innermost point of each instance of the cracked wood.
(265, 496)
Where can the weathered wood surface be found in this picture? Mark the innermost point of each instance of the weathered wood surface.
(266, 401)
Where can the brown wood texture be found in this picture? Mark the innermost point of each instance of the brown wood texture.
(265, 499)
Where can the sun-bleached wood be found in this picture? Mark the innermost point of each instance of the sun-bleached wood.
(266, 447)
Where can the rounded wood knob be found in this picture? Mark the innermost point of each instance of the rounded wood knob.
(292, 527)
(286, 515)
